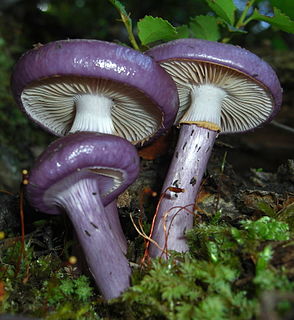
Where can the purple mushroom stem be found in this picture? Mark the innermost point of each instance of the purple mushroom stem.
(175, 211)
(107, 263)
(112, 214)
(222, 88)
(114, 221)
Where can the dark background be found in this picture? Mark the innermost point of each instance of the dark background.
(24, 23)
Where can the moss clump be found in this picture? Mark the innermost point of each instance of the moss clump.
(43, 286)
(224, 276)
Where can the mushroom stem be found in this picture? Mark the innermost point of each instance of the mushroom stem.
(186, 171)
(206, 104)
(105, 259)
(114, 221)
(93, 113)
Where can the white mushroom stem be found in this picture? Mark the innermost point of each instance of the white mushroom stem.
(175, 213)
(206, 104)
(93, 113)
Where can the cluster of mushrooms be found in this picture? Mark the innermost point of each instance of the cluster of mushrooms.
(103, 100)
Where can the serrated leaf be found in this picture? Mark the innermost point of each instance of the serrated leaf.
(152, 29)
(183, 31)
(279, 20)
(224, 9)
(205, 27)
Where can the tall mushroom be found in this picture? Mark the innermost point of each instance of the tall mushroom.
(90, 85)
(222, 89)
(80, 174)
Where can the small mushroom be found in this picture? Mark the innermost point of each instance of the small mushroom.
(222, 89)
(90, 85)
(80, 174)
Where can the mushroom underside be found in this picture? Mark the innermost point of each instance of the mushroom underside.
(53, 103)
(246, 103)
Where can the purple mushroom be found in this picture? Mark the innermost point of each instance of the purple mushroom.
(80, 174)
(90, 85)
(222, 89)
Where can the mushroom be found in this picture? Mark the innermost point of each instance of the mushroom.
(222, 89)
(90, 85)
(80, 174)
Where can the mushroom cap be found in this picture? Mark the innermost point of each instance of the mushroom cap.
(111, 160)
(59, 69)
(212, 59)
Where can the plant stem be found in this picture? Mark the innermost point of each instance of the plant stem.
(241, 22)
(132, 39)
(125, 18)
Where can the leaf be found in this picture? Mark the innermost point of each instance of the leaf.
(284, 6)
(224, 9)
(156, 149)
(205, 27)
(182, 31)
(279, 20)
(152, 29)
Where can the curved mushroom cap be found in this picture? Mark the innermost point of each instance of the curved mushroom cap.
(48, 80)
(110, 160)
(253, 94)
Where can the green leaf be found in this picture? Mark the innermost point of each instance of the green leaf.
(279, 20)
(183, 31)
(205, 27)
(284, 6)
(152, 29)
(224, 9)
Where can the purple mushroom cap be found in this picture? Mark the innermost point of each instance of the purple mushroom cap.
(228, 57)
(111, 160)
(49, 78)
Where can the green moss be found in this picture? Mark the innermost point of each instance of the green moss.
(43, 286)
(223, 277)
